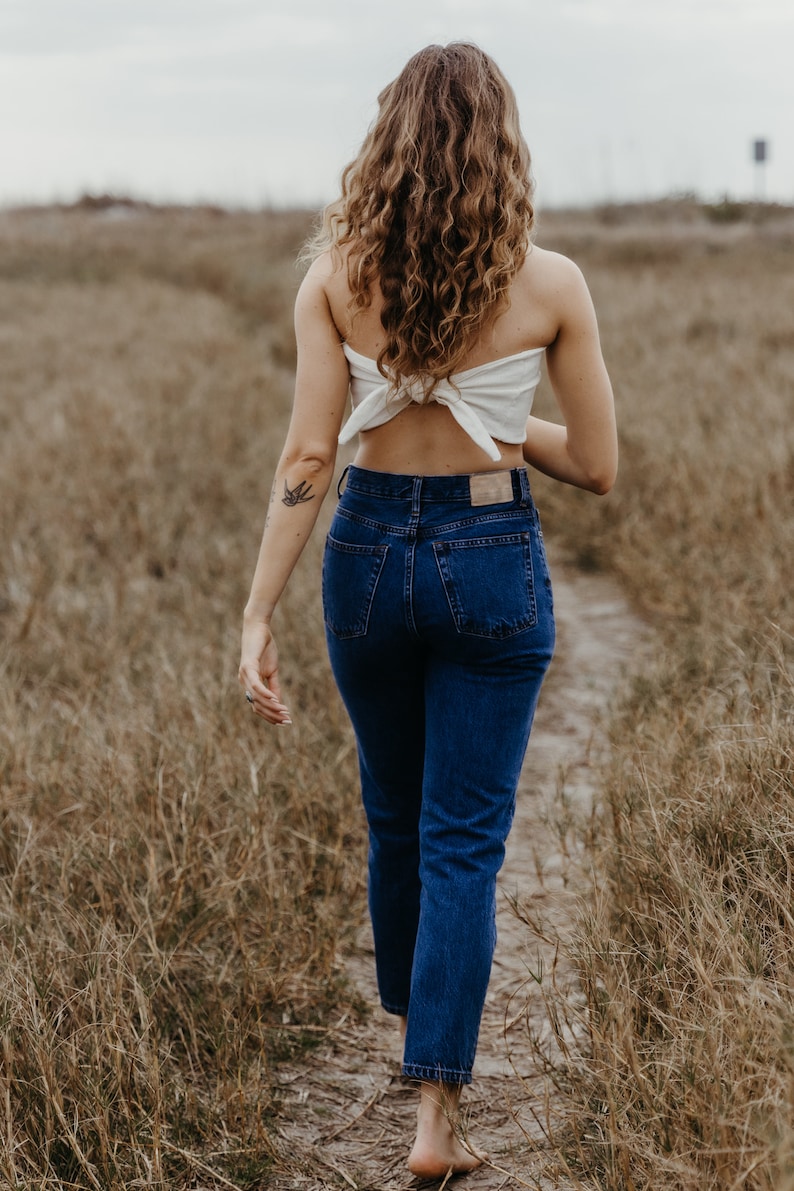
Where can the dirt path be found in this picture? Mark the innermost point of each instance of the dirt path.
(352, 1113)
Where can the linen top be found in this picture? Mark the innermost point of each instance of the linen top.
(491, 401)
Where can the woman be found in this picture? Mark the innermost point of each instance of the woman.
(427, 301)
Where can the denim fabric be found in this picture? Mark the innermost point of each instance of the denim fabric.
(440, 629)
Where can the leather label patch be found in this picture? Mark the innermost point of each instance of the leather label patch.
(491, 488)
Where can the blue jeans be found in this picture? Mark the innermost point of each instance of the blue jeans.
(440, 630)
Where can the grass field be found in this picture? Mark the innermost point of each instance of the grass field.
(175, 881)
(685, 950)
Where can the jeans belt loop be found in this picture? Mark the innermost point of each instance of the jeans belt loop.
(416, 497)
(341, 481)
(526, 491)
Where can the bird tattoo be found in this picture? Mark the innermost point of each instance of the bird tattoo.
(297, 495)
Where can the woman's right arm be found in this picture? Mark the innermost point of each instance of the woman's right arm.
(302, 479)
(583, 451)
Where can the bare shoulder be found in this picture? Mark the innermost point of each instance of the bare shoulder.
(327, 277)
(551, 272)
(323, 270)
(558, 283)
(321, 280)
(549, 293)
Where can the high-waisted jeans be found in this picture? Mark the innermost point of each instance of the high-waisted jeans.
(440, 629)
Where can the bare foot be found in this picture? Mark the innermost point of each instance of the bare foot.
(403, 1027)
(437, 1150)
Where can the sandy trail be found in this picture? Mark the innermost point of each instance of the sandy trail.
(351, 1113)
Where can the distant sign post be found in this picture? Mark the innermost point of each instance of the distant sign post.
(760, 157)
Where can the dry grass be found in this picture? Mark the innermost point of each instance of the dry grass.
(686, 1080)
(174, 882)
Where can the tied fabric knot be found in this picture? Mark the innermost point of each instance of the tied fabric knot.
(490, 402)
(383, 403)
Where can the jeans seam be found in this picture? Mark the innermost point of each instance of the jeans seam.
(436, 1074)
(408, 594)
(519, 514)
(383, 526)
(425, 533)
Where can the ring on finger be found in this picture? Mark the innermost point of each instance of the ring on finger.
(249, 697)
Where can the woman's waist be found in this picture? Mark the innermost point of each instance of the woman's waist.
(424, 440)
(477, 489)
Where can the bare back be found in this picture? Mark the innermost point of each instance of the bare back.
(426, 439)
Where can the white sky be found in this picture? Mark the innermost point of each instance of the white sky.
(257, 101)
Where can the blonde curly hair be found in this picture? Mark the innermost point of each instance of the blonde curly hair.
(436, 209)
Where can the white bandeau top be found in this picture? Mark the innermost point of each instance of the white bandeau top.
(491, 401)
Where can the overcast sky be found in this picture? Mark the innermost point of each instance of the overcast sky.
(245, 102)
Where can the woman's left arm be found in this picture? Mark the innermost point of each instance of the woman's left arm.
(301, 481)
(583, 451)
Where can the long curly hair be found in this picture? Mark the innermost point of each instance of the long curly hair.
(436, 209)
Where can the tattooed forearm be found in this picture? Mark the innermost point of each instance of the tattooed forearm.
(297, 495)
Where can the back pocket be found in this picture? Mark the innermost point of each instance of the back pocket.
(350, 577)
(489, 584)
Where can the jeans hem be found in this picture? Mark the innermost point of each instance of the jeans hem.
(435, 1074)
(399, 1012)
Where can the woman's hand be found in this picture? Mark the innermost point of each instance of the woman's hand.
(258, 673)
